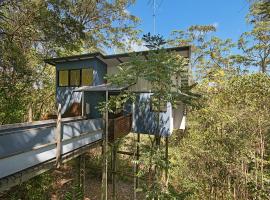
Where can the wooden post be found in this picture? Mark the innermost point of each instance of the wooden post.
(79, 176)
(81, 172)
(114, 150)
(30, 113)
(58, 137)
(167, 161)
(83, 104)
(104, 194)
(136, 166)
(137, 158)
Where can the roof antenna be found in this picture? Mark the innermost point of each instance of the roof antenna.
(154, 16)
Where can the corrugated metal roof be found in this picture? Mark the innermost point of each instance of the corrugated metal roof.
(105, 58)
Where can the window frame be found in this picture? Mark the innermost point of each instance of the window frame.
(92, 75)
(69, 75)
(80, 72)
(58, 81)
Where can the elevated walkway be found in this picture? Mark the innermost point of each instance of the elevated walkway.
(29, 149)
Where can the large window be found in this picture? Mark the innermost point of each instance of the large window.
(87, 76)
(75, 77)
(63, 78)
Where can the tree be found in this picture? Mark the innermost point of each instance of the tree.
(160, 69)
(33, 30)
(224, 154)
(209, 53)
(255, 44)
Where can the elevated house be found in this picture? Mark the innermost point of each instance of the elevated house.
(36, 147)
(80, 86)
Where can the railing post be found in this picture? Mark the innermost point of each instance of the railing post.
(58, 137)
(83, 104)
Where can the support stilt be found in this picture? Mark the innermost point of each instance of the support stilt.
(104, 193)
(136, 166)
(79, 176)
(167, 161)
(82, 173)
(114, 151)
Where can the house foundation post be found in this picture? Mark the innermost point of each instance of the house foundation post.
(114, 151)
(136, 166)
(104, 193)
(167, 161)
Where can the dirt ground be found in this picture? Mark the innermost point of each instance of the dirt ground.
(63, 183)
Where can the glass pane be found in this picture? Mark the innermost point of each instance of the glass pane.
(75, 77)
(63, 78)
(87, 76)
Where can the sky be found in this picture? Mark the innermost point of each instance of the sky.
(227, 15)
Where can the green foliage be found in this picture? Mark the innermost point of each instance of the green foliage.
(153, 41)
(255, 44)
(225, 154)
(209, 53)
(31, 31)
(163, 70)
(36, 188)
(76, 192)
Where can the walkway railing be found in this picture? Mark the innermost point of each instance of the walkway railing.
(28, 149)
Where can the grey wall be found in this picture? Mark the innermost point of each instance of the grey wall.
(146, 120)
(92, 100)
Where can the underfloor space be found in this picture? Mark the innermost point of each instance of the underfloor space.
(60, 183)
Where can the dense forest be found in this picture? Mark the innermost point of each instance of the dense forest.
(223, 154)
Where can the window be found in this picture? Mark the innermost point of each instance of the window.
(75, 77)
(63, 78)
(87, 76)
(154, 105)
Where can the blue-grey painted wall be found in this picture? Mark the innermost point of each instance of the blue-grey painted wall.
(92, 100)
(64, 95)
(146, 120)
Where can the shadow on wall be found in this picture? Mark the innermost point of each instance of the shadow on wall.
(73, 111)
(66, 97)
(146, 120)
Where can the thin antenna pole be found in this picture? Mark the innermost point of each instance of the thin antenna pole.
(154, 16)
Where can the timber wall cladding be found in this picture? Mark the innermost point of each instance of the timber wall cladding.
(119, 126)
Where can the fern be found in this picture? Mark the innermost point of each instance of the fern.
(76, 193)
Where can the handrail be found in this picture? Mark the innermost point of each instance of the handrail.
(27, 125)
(13, 128)
(48, 144)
